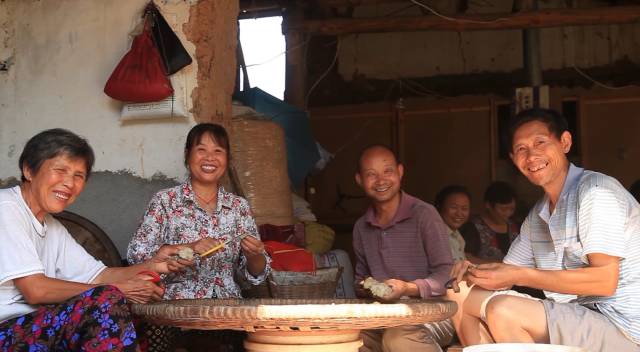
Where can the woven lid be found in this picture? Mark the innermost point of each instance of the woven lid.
(287, 314)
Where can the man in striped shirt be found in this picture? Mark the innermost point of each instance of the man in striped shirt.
(401, 241)
(579, 244)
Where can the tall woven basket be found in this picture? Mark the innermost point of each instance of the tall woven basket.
(260, 161)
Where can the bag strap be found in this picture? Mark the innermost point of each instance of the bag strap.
(151, 13)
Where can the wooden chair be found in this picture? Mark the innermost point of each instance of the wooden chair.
(91, 237)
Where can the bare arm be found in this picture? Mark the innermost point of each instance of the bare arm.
(600, 278)
(39, 289)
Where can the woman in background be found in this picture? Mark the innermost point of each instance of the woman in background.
(488, 236)
(454, 203)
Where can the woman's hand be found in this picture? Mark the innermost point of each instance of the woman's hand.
(166, 259)
(252, 247)
(203, 245)
(253, 250)
(141, 289)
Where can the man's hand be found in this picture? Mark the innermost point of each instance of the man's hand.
(140, 289)
(459, 273)
(494, 276)
(398, 289)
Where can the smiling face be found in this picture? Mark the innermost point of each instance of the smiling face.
(55, 186)
(207, 161)
(541, 156)
(455, 210)
(380, 175)
(501, 213)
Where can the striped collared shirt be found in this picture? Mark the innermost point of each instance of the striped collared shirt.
(594, 214)
(412, 247)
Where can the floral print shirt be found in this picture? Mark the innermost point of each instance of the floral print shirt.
(174, 217)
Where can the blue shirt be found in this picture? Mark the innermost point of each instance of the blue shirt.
(594, 214)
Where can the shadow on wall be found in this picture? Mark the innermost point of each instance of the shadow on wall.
(115, 201)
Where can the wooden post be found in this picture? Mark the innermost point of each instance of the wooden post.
(471, 22)
(296, 67)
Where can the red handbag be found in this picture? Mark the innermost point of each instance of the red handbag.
(140, 76)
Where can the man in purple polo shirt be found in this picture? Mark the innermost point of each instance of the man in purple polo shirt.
(401, 241)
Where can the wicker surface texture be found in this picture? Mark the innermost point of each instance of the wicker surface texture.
(293, 314)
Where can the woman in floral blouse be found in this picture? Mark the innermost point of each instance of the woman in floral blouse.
(488, 236)
(200, 214)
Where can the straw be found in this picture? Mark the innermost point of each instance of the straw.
(221, 245)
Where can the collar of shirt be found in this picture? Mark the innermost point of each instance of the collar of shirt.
(224, 197)
(573, 176)
(404, 211)
(41, 229)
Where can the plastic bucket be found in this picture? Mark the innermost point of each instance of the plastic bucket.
(522, 347)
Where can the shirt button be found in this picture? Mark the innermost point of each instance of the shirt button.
(384, 233)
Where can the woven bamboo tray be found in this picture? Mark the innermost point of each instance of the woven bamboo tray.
(293, 314)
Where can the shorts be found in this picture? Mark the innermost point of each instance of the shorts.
(572, 324)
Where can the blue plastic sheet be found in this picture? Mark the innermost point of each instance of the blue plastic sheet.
(302, 153)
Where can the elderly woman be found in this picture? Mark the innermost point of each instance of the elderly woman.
(53, 294)
(200, 214)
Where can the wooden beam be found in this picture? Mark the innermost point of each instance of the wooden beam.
(336, 3)
(473, 22)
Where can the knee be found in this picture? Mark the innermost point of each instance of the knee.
(105, 293)
(392, 339)
(408, 338)
(500, 311)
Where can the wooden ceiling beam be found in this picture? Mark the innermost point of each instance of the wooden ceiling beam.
(473, 22)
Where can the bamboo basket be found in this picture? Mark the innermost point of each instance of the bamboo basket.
(260, 164)
(293, 314)
(325, 288)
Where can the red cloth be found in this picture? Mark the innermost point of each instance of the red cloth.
(293, 234)
(287, 257)
(140, 76)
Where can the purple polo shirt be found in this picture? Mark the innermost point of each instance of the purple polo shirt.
(412, 247)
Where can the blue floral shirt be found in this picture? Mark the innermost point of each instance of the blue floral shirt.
(174, 217)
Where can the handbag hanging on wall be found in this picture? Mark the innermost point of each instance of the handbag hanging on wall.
(140, 76)
(174, 55)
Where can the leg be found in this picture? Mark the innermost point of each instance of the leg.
(467, 320)
(506, 324)
(426, 338)
(372, 340)
(96, 320)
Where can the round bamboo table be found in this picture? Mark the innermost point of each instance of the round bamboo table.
(308, 325)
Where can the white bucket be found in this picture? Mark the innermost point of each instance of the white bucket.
(522, 347)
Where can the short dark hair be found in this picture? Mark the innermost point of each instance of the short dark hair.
(217, 132)
(499, 192)
(447, 191)
(556, 123)
(51, 143)
(373, 146)
(634, 189)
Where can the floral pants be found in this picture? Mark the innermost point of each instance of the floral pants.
(98, 319)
